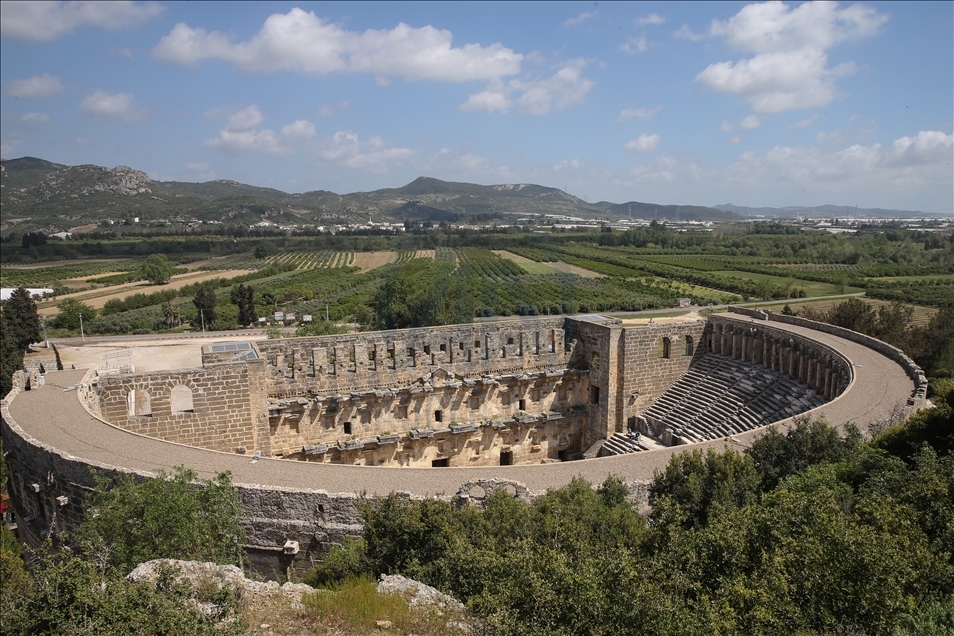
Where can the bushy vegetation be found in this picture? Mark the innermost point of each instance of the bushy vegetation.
(79, 585)
(803, 533)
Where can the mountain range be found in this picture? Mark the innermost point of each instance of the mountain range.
(41, 195)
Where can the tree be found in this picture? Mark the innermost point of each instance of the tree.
(204, 301)
(21, 322)
(809, 442)
(169, 517)
(157, 269)
(244, 298)
(69, 314)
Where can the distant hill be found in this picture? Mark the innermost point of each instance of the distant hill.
(822, 211)
(41, 195)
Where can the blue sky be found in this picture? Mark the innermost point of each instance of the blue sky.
(692, 103)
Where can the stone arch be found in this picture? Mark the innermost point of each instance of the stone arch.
(688, 346)
(139, 403)
(180, 399)
(665, 347)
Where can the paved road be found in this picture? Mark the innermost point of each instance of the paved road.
(56, 418)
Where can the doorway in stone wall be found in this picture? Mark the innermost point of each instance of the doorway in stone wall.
(506, 458)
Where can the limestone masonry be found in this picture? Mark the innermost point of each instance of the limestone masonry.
(309, 425)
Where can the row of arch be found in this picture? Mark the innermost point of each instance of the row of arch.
(139, 401)
(807, 363)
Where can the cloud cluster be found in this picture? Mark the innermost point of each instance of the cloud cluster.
(241, 134)
(46, 21)
(583, 17)
(908, 164)
(643, 143)
(789, 66)
(120, 105)
(652, 18)
(37, 86)
(567, 87)
(642, 113)
(34, 119)
(374, 155)
(300, 41)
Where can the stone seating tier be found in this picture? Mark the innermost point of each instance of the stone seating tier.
(720, 396)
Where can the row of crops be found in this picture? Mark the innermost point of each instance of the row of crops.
(43, 276)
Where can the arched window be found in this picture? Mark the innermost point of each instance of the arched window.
(595, 361)
(688, 349)
(180, 399)
(665, 348)
(139, 403)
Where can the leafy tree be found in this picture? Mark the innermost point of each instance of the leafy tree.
(244, 298)
(21, 322)
(167, 517)
(69, 314)
(157, 269)
(695, 486)
(205, 301)
(810, 441)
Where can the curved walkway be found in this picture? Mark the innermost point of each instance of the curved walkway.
(53, 416)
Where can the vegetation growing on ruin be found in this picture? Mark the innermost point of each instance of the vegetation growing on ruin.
(803, 533)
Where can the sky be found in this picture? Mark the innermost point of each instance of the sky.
(762, 104)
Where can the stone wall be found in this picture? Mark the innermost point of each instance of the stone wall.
(391, 359)
(914, 372)
(653, 357)
(219, 408)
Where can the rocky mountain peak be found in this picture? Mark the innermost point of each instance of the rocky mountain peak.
(88, 179)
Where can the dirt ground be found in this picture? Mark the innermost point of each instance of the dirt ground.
(372, 260)
(689, 316)
(566, 268)
(426, 253)
(145, 355)
(510, 256)
(98, 297)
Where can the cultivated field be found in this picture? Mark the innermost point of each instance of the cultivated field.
(373, 260)
(532, 267)
(98, 298)
(576, 270)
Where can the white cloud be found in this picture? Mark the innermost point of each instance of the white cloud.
(685, 33)
(45, 21)
(662, 170)
(495, 98)
(37, 86)
(8, 147)
(583, 17)
(35, 118)
(789, 68)
(643, 143)
(572, 164)
(241, 134)
(906, 164)
(567, 87)
(113, 105)
(642, 113)
(199, 171)
(300, 41)
(245, 119)
(803, 123)
(327, 110)
(375, 155)
(773, 27)
(635, 45)
(652, 18)
(735, 140)
(750, 123)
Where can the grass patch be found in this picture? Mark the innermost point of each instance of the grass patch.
(812, 288)
(900, 279)
(355, 606)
